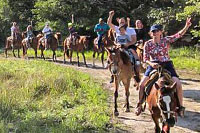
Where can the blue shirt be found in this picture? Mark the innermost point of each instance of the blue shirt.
(101, 29)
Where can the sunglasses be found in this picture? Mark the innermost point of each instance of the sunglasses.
(154, 31)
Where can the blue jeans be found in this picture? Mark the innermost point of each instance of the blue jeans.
(99, 39)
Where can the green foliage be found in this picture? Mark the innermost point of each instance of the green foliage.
(37, 96)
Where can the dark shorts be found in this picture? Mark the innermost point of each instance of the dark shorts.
(132, 47)
(166, 65)
(47, 36)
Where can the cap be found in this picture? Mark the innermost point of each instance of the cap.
(70, 24)
(156, 27)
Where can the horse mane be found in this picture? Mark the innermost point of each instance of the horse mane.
(124, 57)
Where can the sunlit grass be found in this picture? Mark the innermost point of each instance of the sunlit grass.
(38, 96)
(186, 58)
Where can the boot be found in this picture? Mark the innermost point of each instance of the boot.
(112, 79)
(139, 108)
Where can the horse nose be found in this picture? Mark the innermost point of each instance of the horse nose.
(171, 121)
(114, 71)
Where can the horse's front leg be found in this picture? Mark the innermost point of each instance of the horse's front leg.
(64, 54)
(127, 93)
(102, 59)
(155, 113)
(35, 52)
(18, 52)
(6, 52)
(54, 55)
(42, 54)
(94, 53)
(116, 84)
(84, 59)
(78, 58)
(13, 50)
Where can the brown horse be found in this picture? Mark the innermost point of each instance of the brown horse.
(139, 51)
(13, 43)
(52, 43)
(80, 45)
(121, 67)
(162, 101)
(108, 41)
(33, 44)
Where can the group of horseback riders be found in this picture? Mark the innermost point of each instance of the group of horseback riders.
(156, 51)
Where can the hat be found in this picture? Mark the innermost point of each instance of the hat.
(70, 24)
(100, 19)
(156, 27)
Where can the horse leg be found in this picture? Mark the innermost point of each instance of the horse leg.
(35, 53)
(13, 52)
(18, 52)
(54, 55)
(84, 59)
(127, 93)
(155, 116)
(102, 58)
(78, 58)
(94, 58)
(42, 54)
(116, 83)
(64, 54)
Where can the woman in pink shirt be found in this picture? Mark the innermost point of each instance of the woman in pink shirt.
(156, 51)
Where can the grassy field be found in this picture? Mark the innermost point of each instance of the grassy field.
(186, 58)
(38, 96)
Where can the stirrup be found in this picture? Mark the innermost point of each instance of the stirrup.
(181, 111)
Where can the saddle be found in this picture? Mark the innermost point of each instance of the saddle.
(154, 76)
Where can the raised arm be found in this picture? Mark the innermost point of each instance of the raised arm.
(187, 25)
(109, 21)
(128, 21)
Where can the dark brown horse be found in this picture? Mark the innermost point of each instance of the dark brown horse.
(52, 43)
(13, 43)
(162, 101)
(108, 41)
(120, 66)
(80, 45)
(33, 44)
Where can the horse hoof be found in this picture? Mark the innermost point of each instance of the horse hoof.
(116, 113)
(127, 110)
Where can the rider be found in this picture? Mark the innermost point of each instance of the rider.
(101, 28)
(47, 31)
(72, 32)
(14, 31)
(155, 52)
(29, 35)
(132, 34)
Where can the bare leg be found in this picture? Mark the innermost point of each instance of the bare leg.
(179, 90)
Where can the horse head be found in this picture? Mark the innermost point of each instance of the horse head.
(167, 101)
(117, 58)
(85, 41)
(58, 36)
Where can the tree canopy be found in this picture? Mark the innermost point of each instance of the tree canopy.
(58, 13)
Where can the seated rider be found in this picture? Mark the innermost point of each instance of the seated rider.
(29, 35)
(132, 35)
(14, 31)
(156, 51)
(101, 28)
(47, 31)
(72, 33)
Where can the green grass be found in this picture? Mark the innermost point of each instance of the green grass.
(38, 96)
(186, 58)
